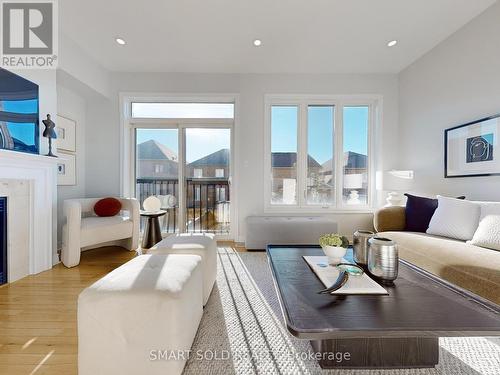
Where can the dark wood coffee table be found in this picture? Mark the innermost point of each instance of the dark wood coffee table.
(399, 330)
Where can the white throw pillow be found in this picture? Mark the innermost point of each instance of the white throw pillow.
(455, 218)
(488, 233)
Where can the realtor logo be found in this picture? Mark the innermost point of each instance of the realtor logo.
(29, 34)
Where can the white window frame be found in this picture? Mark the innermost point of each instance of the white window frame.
(374, 102)
(127, 141)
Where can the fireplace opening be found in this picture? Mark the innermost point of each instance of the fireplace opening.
(3, 240)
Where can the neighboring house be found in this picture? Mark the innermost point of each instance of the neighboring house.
(284, 171)
(284, 164)
(353, 163)
(156, 161)
(215, 165)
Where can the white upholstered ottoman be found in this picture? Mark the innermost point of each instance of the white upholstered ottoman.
(202, 244)
(151, 303)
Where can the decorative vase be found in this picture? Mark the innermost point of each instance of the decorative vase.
(383, 259)
(360, 246)
(334, 254)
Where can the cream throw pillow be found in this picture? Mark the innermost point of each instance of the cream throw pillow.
(455, 218)
(488, 233)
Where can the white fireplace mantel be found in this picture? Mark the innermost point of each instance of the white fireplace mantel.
(41, 173)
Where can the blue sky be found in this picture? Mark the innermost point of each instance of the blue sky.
(320, 130)
(202, 142)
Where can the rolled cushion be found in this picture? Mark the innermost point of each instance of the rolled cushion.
(455, 218)
(107, 207)
(487, 233)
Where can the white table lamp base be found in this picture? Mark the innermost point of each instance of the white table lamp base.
(394, 199)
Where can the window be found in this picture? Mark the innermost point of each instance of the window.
(158, 168)
(355, 168)
(318, 152)
(183, 110)
(197, 173)
(284, 155)
(320, 166)
(219, 173)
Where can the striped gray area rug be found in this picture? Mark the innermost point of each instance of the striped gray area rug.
(242, 332)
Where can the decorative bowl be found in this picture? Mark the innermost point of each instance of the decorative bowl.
(334, 253)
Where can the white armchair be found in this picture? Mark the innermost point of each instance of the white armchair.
(84, 230)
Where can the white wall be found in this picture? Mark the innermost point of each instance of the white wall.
(455, 83)
(73, 106)
(103, 142)
(81, 66)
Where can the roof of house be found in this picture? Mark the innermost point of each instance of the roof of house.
(352, 160)
(289, 159)
(153, 150)
(220, 157)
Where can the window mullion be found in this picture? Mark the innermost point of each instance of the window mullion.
(302, 156)
(339, 154)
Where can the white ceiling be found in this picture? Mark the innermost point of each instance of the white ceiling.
(298, 36)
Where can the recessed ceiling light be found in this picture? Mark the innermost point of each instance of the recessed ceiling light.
(257, 42)
(392, 43)
(120, 41)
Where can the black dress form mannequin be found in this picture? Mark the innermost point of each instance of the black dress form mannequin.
(49, 133)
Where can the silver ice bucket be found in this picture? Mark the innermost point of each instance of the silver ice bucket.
(383, 259)
(360, 246)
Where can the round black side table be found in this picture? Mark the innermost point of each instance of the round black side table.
(152, 232)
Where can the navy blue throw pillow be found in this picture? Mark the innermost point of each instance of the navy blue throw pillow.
(419, 211)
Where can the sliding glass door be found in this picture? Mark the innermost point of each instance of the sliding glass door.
(157, 171)
(207, 179)
(188, 167)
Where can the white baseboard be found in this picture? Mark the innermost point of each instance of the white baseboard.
(55, 258)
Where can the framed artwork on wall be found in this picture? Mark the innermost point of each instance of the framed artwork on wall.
(66, 134)
(66, 169)
(473, 149)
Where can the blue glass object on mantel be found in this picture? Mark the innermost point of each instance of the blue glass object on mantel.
(18, 113)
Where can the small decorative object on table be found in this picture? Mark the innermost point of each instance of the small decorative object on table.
(383, 259)
(360, 246)
(152, 211)
(49, 133)
(334, 246)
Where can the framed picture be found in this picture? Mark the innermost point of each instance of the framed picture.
(66, 169)
(66, 134)
(473, 149)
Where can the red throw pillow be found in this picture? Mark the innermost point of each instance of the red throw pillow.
(107, 207)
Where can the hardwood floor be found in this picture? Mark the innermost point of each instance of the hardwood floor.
(38, 332)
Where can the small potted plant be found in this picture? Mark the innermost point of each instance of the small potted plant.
(334, 246)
